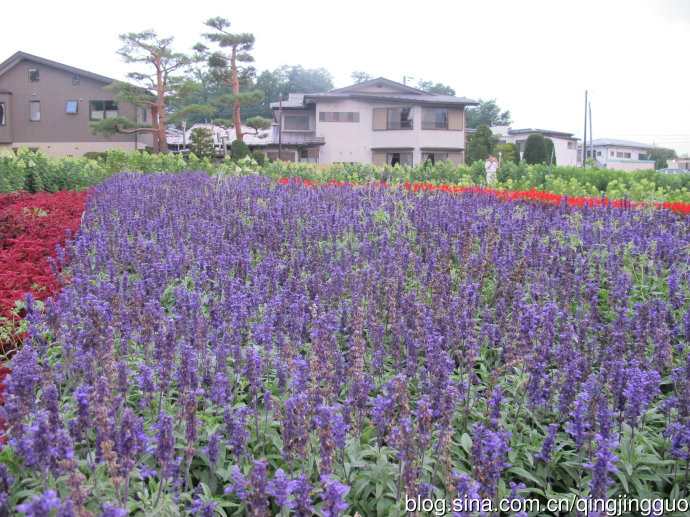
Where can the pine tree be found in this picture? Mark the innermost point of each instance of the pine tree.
(228, 70)
(163, 83)
(201, 142)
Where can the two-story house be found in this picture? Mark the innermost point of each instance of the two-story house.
(377, 121)
(621, 154)
(564, 144)
(47, 105)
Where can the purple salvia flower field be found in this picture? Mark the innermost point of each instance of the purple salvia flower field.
(247, 347)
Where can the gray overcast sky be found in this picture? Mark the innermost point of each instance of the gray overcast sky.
(536, 57)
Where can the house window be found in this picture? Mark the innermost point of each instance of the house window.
(76, 79)
(286, 156)
(400, 118)
(72, 107)
(98, 110)
(598, 153)
(2, 114)
(434, 157)
(612, 154)
(642, 156)
(571, 145)
(435, 118)
(33, 75)
(34, 111)
(399, 159)
(338, 116)
(296, 123)
(621, 154)
(143, 116)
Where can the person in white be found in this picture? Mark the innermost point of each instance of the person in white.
(491, 167)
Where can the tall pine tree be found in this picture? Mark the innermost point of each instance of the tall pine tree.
(228, 69)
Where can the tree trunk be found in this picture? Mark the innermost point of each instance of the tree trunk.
(160, 123)
(236, 90)
(154, 117)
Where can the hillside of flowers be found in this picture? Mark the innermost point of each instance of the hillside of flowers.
(248, 347)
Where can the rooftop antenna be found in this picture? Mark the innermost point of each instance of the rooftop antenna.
(406, 78)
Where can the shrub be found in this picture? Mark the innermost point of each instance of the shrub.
(259, 157)
(95, 155)
(201, 142)
(238, 150)
(549, 152)
(535, 149)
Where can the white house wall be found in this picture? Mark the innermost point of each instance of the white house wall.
(353, 142)
(623, 164)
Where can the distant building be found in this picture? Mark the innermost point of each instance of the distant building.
(48, 105)
(679, 163)
(178, 140)
(565, 144)
(621, 154)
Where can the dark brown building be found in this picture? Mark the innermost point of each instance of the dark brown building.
(47, 105)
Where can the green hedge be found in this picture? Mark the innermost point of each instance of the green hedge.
(36, 171)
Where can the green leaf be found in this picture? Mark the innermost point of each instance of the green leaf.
(466, 442)
(525, 475)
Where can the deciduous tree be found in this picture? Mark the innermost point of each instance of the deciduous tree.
(360, 77)
(480, 144)
(487, 113)
(439, 88)
(661, 157)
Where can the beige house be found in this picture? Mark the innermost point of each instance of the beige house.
(621, 154)
(47, 105)
(679, 163)
(377, 121)
(565, 144)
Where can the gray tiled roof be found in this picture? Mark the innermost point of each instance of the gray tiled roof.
(406, 93)
(543, 131)
(622, 143)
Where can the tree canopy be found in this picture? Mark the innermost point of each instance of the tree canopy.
(431, 87)
(360, 77)
(535, 149)
(232, 69)
(163, 81)
(480, 144)
(661, 157)
(489, 113)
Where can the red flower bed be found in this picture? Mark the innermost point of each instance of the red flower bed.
(506, 195)
(31, 226)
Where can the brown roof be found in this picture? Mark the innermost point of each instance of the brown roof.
(19, 56)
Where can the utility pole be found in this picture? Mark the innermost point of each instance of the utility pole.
(184, 137)
(584, 142)
(591, 145)
(280, 126)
